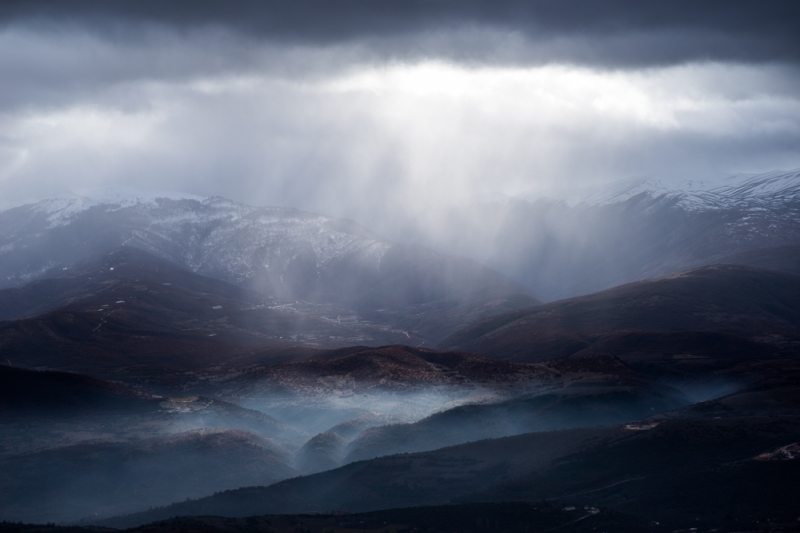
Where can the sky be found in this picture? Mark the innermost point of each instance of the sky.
(375, 110)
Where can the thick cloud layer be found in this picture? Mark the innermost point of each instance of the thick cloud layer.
(381, 110)
(615, 32)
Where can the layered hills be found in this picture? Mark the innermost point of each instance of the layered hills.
(694, 376)
(132, 314)
(360, 387)
(678, 471)
(107, 478)
(269, 361)
(586, 397)
(717, 302)
(43, 409)
(73, 446)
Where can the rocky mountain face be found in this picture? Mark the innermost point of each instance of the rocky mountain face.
(282, 253)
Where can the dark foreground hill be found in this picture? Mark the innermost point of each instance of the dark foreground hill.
(720, 462)
(511, 517)
(690, 471)
(106, 478)
(755, 305)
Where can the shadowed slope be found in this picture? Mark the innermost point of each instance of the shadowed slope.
(71, 446)
(69, 483)
(728, 299)
(52, 409)
(24, 393)
(131, 311)
(781, 258)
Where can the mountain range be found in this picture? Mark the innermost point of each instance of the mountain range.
(283, 253)
(567, 243)
(167, 355)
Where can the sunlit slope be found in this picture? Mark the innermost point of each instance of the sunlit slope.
(596, 390)
(359, 370)
(757, 305)
(367, 402)
(350, 389)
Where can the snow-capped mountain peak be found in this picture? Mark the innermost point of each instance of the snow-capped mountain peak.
(738, 191)
(283, 252)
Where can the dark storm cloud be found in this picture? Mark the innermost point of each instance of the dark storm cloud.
(609, 33)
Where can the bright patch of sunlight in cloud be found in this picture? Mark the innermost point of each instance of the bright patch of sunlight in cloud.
(357, 140)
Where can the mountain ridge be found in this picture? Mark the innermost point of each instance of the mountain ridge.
(278, 251)
(730, 299)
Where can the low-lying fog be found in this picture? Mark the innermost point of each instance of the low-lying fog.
(318, 413)
(157, 450)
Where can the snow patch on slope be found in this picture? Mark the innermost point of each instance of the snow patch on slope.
(62, 209)
(212, 236)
